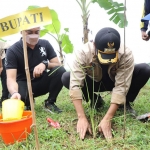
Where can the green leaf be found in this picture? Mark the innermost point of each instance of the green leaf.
(110, 11)
(66, 45)
(32, 7)
(104, 4)
(56, 25)
(43, 32)
(122, 22)
(116, 19)
(112, 17)
(66, 29)
(120, 9)
(115, 9)
(54, 28)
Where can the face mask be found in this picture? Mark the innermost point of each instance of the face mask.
(32, 39)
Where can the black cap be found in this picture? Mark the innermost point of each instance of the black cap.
(107, 43)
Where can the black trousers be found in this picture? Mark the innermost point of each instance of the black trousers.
(141, 75)
(50, 83)
(5, 92)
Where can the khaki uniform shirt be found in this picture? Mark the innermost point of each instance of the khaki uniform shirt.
(85, 62)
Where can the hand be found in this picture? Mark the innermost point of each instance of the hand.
(82, 127)
(144, 36)
(105, 128)
(38, 70)
(16, 96)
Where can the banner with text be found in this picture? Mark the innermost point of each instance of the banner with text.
(25, 20)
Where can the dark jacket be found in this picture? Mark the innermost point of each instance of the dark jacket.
(146, 11)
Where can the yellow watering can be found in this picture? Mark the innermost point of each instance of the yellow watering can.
(12, 109)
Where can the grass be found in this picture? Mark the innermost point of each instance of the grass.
(137, 136)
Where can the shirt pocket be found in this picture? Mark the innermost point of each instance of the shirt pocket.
(94, 70)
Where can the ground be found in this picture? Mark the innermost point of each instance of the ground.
(136, 135)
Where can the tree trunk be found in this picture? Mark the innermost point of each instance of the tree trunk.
(85, 29)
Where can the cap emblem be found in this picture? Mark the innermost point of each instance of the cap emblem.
(110, 48)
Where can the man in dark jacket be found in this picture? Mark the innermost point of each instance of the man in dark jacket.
(144, 23)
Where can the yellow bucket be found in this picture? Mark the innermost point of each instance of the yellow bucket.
(12, 109)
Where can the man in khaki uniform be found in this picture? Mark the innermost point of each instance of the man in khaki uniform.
(3, 47)
(104, 66)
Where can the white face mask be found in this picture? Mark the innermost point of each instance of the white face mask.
(32, 39)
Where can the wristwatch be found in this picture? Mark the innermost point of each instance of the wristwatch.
(45, 63)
